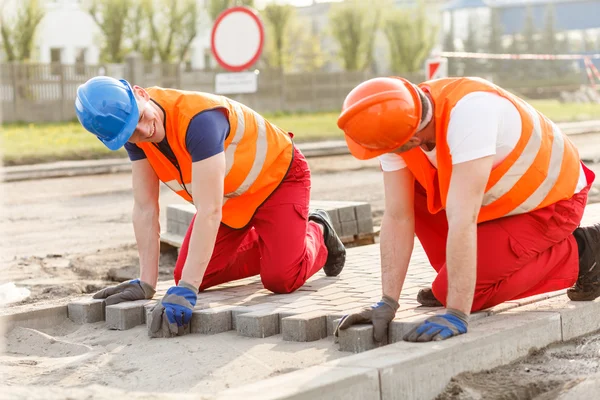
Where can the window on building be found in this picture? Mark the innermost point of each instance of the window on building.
(56, 60)
(80, 61)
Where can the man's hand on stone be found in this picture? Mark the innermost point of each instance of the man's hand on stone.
(126, 291)
(380, 315)
(440, 327)
(172, 316)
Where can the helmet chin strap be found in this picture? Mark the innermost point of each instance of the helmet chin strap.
(428, 116)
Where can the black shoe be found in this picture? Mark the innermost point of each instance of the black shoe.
(587, 287)
(426, 298)
(336, 252)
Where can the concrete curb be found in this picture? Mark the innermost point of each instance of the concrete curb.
(115, 165)
(404, 370)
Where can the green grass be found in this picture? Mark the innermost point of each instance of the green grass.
(35, 143)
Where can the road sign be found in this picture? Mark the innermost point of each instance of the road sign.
(237, 38)
(436, 68)
(236, 82)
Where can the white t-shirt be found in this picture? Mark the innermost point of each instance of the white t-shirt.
(481, 124)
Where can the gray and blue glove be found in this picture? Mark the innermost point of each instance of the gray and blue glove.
(440, 327)
(380, 315)
(172, 316)
(126, 291)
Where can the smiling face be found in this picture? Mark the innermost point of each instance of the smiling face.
(150, 127)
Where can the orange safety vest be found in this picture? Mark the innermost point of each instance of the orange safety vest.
(542, 169)
(258, 153)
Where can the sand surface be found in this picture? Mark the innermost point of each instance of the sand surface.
(72, 356)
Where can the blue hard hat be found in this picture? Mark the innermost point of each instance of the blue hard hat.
(107, 108)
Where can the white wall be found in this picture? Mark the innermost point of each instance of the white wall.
(68, 27)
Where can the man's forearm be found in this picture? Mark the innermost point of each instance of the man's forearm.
(202, 243)
(461, 263)
(397, 241)
(146, 227)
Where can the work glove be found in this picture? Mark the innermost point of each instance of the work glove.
(440, 327)
(172, 316)
(379, 315)
(126, 291)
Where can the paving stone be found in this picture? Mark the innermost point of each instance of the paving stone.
(349, 228)
(212, 320)
(86, 311)
(363, 212)
(406, 369)
(365, 225)
(317, 382)
(306, 327)
(347, 213)
(358, 338)
(258, 324)
(332, 322)
(400, 327)
(126, 315)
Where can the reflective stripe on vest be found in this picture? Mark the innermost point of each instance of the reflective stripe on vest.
(260, 155)
(525, 161)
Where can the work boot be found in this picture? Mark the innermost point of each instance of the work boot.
(426, 298)
(587, 287)
(336, 252)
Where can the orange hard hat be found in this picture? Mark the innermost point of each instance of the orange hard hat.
(380, 115)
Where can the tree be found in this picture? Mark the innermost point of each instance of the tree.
(549, 42)
(353, 24)
(277, 18)
(530, 67)
(472, 45)
(111, 16)
(290, 45)
(172, 32)
(139, 32)
(495, 45)
(449, 46)
(216, 7)
(18, 34)
(411, 38)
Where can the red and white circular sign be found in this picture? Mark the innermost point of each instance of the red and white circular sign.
(237, 38)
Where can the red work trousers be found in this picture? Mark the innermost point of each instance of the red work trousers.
(279, 243)
(517, 256)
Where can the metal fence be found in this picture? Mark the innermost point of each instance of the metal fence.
(46, 92)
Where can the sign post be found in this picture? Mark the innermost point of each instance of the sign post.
(436, 68)
(237, 40)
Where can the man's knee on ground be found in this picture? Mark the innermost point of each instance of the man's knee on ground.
(279, 284)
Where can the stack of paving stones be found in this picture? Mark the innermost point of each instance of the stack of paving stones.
(308, 314)
(352, 221)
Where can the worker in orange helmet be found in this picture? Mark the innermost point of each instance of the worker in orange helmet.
(493, 190)
(249, 183)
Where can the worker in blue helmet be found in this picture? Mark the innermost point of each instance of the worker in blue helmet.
(247, 223)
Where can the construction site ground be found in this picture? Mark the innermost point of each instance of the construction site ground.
(68, 237)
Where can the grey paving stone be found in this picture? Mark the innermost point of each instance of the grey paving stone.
(126, 315)
(358, 338)
(258, 324)
(306, 327)
(399, 328)
(314, 383)
(349, 228)
(332, 322)
(86, 311)
(363, 212)
(347, 213)
(212, 320)
(365, 225)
